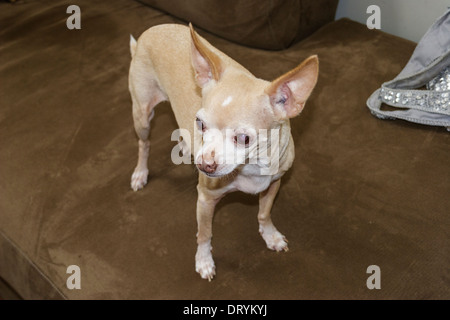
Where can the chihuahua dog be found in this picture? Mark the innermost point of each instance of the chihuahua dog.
(227, 111)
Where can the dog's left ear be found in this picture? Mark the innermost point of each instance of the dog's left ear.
(288, 93)
(207, 65)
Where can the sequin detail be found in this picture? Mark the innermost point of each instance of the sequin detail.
(437, 99)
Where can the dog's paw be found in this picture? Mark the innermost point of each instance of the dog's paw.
(139, 179)
(274, 239)
(204, 265)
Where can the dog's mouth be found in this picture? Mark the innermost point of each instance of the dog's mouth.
(214, 174)
(219, 174)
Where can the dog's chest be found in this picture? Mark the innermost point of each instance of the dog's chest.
(252, 184)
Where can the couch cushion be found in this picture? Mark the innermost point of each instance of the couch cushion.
(260, 24)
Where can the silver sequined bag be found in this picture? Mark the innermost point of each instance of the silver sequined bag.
(421, 91)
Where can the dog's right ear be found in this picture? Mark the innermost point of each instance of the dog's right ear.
(288, 93)
(207, 65)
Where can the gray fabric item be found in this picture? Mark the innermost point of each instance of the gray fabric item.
(428, 61)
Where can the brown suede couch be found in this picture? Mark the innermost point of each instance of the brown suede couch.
(361, 192)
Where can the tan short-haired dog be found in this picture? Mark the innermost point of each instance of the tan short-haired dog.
(225, 110)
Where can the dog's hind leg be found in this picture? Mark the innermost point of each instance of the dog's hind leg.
(145, 94)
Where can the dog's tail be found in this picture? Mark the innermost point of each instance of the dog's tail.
(133, 44)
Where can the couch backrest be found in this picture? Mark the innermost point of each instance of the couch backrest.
(265, 24)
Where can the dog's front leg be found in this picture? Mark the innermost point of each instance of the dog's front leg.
(273, 238)
(204, 263)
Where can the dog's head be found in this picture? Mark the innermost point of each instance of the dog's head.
(239, 111)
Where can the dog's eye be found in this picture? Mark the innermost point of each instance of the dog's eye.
(200, 125)
(242, 139)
